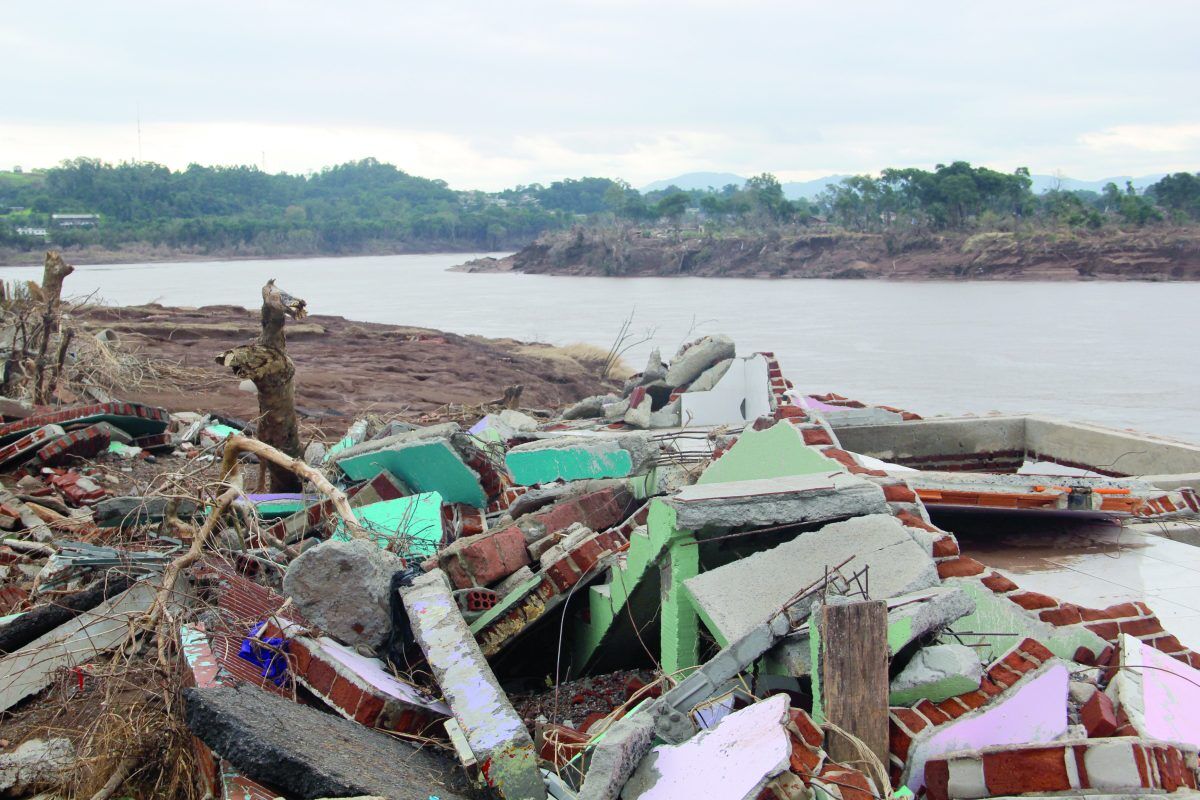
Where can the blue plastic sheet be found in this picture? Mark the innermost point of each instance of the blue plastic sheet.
(268, 654)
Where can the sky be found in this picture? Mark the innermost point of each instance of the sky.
(488, 95)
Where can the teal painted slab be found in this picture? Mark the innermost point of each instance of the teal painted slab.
(424, 466)
(530, 467)
(416, 521)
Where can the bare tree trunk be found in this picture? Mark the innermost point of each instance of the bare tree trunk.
(55, 272)
(266, 363)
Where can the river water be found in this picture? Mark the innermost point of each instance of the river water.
(1119, 354)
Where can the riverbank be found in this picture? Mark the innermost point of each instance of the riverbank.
(345, 369)
(148, 254)
(1144, 254)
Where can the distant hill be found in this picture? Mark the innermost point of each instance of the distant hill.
(1044, 183)
(696, 180)
(810, 189)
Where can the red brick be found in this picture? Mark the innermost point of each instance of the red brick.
(1122, 610)
(899, 493)
(1032, 601)
(913, 521)
(937, 779)
(818, 436)
(959, 568)
(1041, 769)
(989, 688)
(999, 584)
(909, 718)
(1064, 615)
(945, 547)
(974, 700)
(1033, 647)
(804, 759)
(1003, 676)
(932, 712)
(484, 559)
(1145, 626)
(1105, 630)
(808, 730)
(1098, 716)
(953, 708)
(1168, 644)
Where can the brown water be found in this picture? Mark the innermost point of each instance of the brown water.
(1119, 354)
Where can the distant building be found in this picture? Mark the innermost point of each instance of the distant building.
(75, 220)
(32, 232)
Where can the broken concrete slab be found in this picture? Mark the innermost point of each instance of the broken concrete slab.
(409, 526)
(30, 443)
(589, 407)
(496, 735)
(772, 501)
(307, 754)
(36, 764)
(996, 620)
(733, 760)
(343, 588)
(572, 458)
(936, 673)
(46, 617)
(734, 598)
(694, 358)
(30, 669)
(424, 461)
(1159, 694)
(742, 394)
(775, 452)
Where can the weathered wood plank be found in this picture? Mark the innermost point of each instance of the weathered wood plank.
(854, 676)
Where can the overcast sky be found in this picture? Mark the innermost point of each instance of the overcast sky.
(493, 94)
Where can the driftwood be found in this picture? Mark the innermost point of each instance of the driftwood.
(266, 363)
(55, 271)
(236, 444)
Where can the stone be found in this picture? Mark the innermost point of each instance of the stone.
(305, 753)
(732, 760)
(655, 369)
(698, 356)
(734, 598)
(638, 416)
(495, 733)
(589, 407)
(36, 764)
(936, 673)
(343, 589)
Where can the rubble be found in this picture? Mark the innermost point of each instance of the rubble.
(702, 582)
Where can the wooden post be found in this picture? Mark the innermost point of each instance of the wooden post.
(854, 677)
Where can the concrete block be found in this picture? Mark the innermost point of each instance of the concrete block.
(616, 756)
(733, 760)
(698, 356)
(496, 735)
(343, 589)
(589, 407)
(304, 753)
(734, 598)
(711, 376)
(936, 673)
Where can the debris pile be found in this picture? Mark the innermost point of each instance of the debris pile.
(684, 589)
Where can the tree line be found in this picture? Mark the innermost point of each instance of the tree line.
(368, 205)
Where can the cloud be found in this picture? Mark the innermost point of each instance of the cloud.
(1179, 138)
